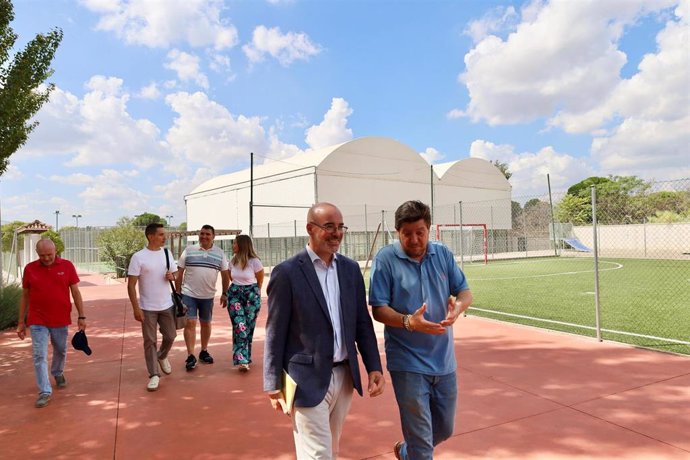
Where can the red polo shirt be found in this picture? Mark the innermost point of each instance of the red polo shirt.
(49, 293)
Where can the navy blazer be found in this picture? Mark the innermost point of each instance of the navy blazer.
(299, 333)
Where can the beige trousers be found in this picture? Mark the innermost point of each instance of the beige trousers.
(317, 429)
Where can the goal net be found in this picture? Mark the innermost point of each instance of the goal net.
(467, 241)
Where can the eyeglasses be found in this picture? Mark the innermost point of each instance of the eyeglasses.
(331, 228)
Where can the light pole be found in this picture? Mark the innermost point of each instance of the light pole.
(76, 219)
(57, 213)
(169, 219)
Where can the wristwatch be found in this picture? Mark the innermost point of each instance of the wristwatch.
(406, 323)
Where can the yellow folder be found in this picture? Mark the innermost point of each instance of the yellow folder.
(288, 388)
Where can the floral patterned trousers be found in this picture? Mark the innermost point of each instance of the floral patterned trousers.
(244, 303)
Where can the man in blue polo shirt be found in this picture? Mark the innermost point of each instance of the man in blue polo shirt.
(418, 292)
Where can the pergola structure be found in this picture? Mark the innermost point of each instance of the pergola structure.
(28, 253)
(177, 249)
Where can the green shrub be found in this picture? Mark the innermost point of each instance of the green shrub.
(118, 244)
(9, 305)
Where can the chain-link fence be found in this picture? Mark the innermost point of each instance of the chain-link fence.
(613, 264)
(621, 271)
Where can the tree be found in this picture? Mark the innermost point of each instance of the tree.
(8, 235)
(20, 78)
(620, 199)
(574, 209)
(142, 220)
(57, 240)
(118, 244)
(582, 188)
(503, 167)
(516, 214)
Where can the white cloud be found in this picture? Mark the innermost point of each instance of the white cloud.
(176, 188)
(333, 129)
(496, 20)
(564, 55)
(562, 63)
(73, 179)
(150, 91)
(157, 24)
(95, 130)
(207, 133)
(646, 148)
(279, 149)
(431, 155)
(286, 48)
(12, 173)
(113, 189)
(530, 169)
(455, 113)
(220, 63)
(187, 67)
(657, 92)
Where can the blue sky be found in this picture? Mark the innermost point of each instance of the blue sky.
(153, 97)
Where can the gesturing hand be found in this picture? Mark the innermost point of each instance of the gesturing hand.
(454, 311)
(420, 324)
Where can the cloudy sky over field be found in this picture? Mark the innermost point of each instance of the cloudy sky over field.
(153, 97)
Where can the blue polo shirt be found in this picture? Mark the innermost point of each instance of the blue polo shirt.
(404, 284)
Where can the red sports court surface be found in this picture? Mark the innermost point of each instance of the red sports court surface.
(524, 394)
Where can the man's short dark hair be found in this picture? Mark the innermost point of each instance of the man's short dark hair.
(151, 229)
(209, 227)
(412, 211)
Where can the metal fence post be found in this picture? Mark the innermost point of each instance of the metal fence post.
(462, 246)
(524, 231)
(597, 303)
(366, 228)
(270, 253)
(553, 222)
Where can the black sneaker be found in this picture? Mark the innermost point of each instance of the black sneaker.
(190, 363)
(205, 357)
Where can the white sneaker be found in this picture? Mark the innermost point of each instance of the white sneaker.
(165, 365)
(153, 383)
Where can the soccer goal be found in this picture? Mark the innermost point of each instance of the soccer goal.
(467, 241)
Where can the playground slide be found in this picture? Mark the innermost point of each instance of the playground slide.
(576, 244)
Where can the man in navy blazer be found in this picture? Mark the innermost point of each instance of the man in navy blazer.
(317, 321)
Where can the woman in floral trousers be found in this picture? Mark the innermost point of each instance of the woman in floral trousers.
(244, 299)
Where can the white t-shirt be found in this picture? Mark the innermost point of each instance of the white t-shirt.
(247, 276)
(201, 270)
(154, 289)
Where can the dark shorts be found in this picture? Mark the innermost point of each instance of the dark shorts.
(204, 307)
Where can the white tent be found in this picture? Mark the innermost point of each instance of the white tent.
(365, 175)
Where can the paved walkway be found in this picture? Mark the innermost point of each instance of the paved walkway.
(524, 394)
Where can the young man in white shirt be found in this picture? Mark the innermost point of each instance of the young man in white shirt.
(148, 269)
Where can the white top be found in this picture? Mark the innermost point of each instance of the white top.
(154, 289)
(201, 270)
(328, 279)
(246, 276)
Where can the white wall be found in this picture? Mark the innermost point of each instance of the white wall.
(228, 208)
(639, 240)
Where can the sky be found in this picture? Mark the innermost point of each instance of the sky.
(154, 97)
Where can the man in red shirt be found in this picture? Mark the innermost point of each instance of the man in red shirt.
(47, 283)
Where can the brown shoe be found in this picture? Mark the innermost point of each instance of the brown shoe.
(397, 448)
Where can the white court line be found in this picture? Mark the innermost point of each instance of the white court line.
(616, 267)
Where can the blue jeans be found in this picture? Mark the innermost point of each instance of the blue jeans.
(427, 411)
(39, 343)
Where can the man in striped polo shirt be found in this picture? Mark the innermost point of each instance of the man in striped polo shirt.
(198, 269)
